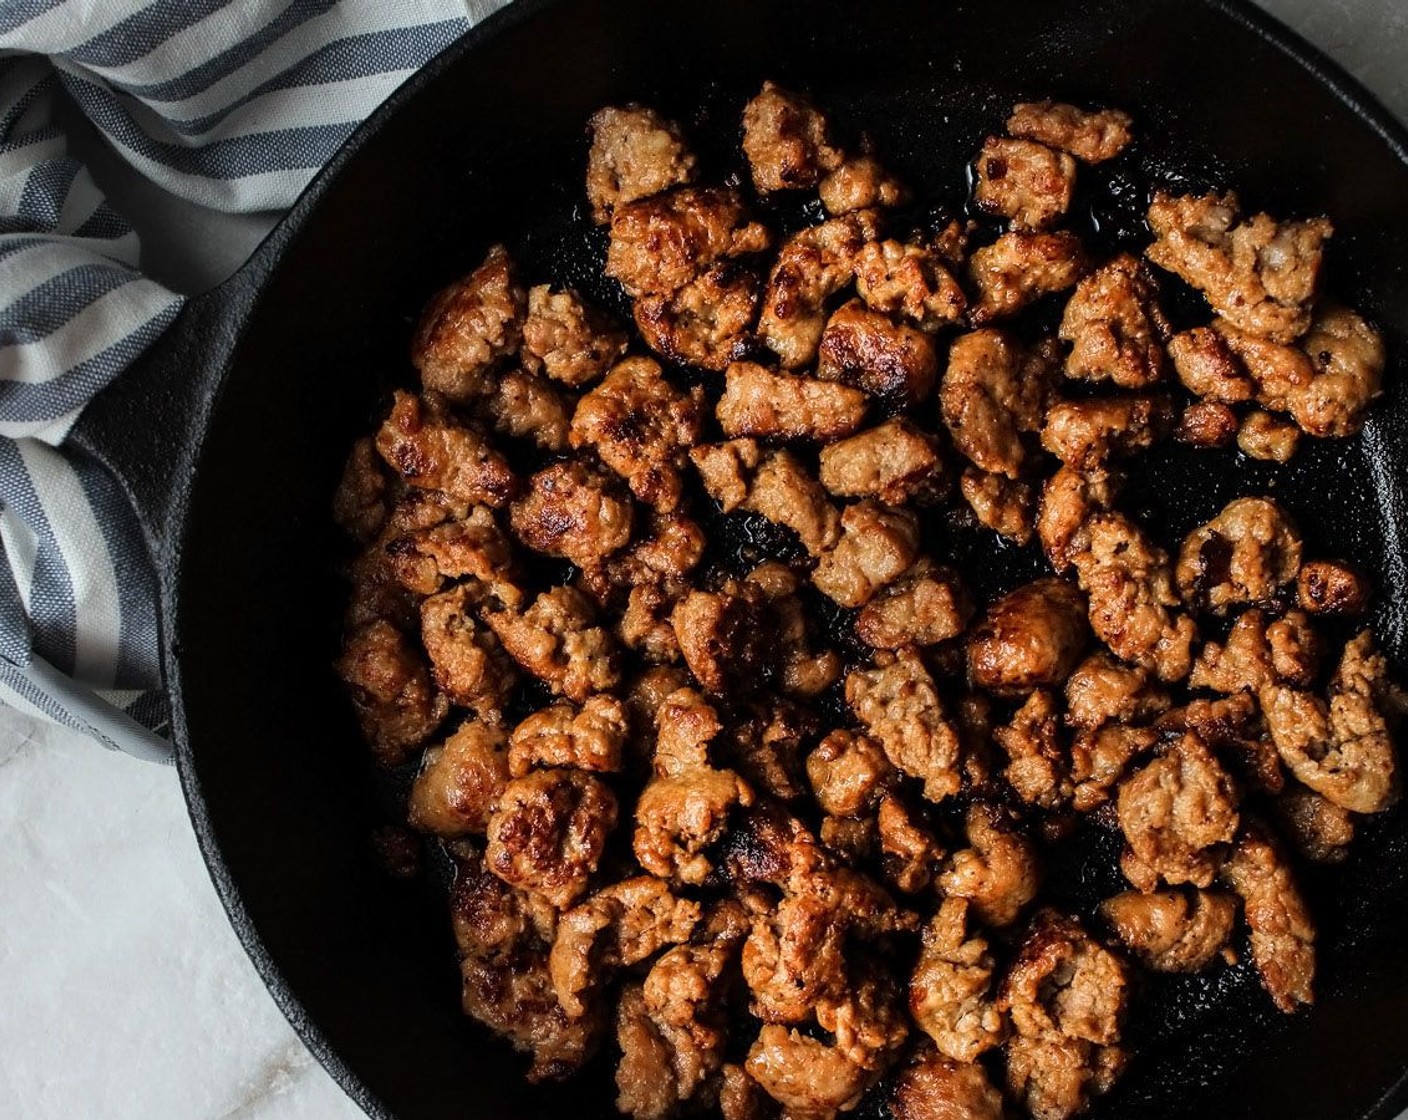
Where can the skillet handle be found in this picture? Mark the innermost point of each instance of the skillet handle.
(147, 428)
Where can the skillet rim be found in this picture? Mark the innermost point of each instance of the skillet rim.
(239, 293)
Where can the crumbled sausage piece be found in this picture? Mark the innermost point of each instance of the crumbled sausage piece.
(1208, 368)
(685, 725)
(644, 623)
(786, 140)
(1115, 326)
(740, 1097)
(1343, 749)
(795, 965)
(1266, 437)
(868, 350)
(793, 958)
(1133, 607)
(935, 1088)
(468, 327)
(706, 322)
(1211, 424)
(557, 641)
(430, 451)
(644, 695)
(470, 548)
(1174, 813)
(1063, 981)
(1086, 433)
(727, 470)
(464, 655)
(759, 403)
(574, 511)
(877, 545)
(1332, 587)
(899, 705)
(1069, 500)
(770, 846)
(1030, 638)
(524, 406)
(860, 184)
(1019, 268)
(785, 494)
(910, 281)
(1099, 759)
(997, 873)
(866, 1020)
(1102, 690)
(1259, 273)
(1038, 761)
(925, 606)
(1055, 1078)
(1066, 996)
(635, 153)
(547, 833)
(502, 935)
(1171, 931)
(992, 393)
(567, 339)
(812, 1081)
(680, 816)
(459, 782)
(1278, 370)
(1348, 358)
(1258, 654)
(659, 244)
(641, 426)
(1026, 182)
(1245, 554)
(908, 850)
(363, 498)
(397, 704)
(684, 995)
(671, 1031)
(1091, 135)
(974, 718)
(1296, 649)
(1283, 935)
(950, 993)
(1001, 504)
(719, 636)
(895, 462)
(377, 593)
(590, 737)
(647, 1087)
(738, 476)
(848, 773)
(812, 266)
(618, 926)
(1317, 828)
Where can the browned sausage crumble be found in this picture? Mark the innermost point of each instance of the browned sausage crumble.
(767, 826)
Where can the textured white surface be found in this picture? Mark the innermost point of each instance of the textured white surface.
(126, 995)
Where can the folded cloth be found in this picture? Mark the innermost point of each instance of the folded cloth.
(228, 104)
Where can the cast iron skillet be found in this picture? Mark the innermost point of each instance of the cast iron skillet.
(230, 438)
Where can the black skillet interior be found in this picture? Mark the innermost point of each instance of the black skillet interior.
(491, 145)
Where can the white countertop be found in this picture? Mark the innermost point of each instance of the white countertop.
(126, 994)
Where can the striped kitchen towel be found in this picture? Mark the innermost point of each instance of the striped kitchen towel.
(228, 104)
